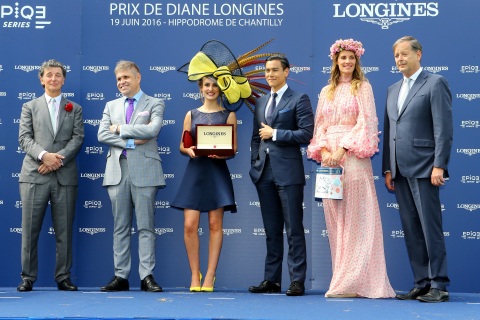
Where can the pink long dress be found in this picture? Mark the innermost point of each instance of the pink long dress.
(354, 225)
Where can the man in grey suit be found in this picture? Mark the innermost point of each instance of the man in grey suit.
(51, 133)
(130, 126)
(418, 130)
(283, 121)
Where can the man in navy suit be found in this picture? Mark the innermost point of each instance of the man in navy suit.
(283, 121)
(418, 138)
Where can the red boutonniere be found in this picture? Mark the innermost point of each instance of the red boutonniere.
(69, 107)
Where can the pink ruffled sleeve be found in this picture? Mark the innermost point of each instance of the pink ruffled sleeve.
(319, 140)
(362, 140)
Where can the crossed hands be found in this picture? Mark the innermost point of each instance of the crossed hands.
(50, 162)
(332, 159)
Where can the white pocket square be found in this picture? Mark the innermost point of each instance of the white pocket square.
(144, 114)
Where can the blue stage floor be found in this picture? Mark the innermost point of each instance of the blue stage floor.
(178, 303)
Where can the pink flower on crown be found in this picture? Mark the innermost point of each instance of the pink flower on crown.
(349, 45)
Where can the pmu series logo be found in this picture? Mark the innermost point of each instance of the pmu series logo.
(26, 95)
(51, 230)
(68, 94)
(92, 176)
(385, 14)
(1, 68)
(466, 69)
(162, 204)
(470, 124)
(96, 69)
(168, 122)
(92, 204)
(397, 234)
(163, 96)
(162, 231)
(192, 95)
(162, 150)
(95, 96)
(93, 150)
(471, 235)
(229, 232)
(470, 179)
(468, 206)
(162, 69)
(469, 152)
(468, 96)
(169, 175)
(92, 122)
(92, 231)
(21, 17)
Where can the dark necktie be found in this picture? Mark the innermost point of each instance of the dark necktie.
(270, 110)
(128, 116)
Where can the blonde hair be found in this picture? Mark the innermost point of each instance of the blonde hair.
(357, 77)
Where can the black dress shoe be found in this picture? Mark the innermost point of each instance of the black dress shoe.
(148, 284)
(25, 285)
(296, 289)
(116, 284)
(66, 285)
(265, 287)
(413, 294)
(434, 295)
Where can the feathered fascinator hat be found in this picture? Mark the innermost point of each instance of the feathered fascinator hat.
(349, 45)
(237, 85)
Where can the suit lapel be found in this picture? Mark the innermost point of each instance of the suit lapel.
(282, 103)
(262, 106)
(61, 113)
(421, 79)
(141, 105)
(45, 113)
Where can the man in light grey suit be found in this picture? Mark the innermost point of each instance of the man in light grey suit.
(133, 174)
(418, 138)
(51, 133)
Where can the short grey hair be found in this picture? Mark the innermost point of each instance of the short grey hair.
(414, 43)
(52, 63)
(127, 65)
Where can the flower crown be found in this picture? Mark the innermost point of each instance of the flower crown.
(349, 45)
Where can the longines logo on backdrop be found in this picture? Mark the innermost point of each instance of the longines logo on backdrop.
(297, 70)
(26, 95)
(255, 203)
(2, 148)
(16, 230)
(92, 176)
(1, 68)
(95, 96)
(234, 176)
(162, 231)
(26, 68)
(22, 16)
(432, 69)
(162, 69)
(468, 206)
(468, 96)
(393, 205)
(192, 95)
(466, 69)
(163, 96)
(3, 93)
(469, 152)
(258, 231)
(470, 124)
(92, 231)
(96, 69)
(385, 14)
(92, 122)
(324, 233)
(229, 232)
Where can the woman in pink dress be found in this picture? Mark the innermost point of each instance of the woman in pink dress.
(346, 135)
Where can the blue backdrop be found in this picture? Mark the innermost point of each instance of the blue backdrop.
(90, 36)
